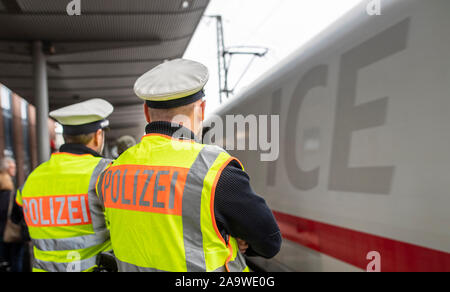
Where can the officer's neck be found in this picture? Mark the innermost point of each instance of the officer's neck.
(79, 149)
(94, 148)
(171, 129)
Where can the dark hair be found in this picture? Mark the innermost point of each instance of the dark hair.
(83, 139)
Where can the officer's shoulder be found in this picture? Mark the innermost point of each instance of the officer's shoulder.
(40, 169)
(104, 163)
(217, 150)
(214, 149)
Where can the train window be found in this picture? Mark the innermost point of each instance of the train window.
(24, 110)
(26, 137)
(6, 100)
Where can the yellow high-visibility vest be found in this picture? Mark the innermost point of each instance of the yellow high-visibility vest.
(64, 216)
(159, 202)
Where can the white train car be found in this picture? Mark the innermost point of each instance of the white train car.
(362, 179)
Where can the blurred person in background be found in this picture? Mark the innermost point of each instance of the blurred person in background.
(123, 143)
(11, 253)
(6, 189)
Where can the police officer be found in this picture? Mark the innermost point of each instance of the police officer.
(60, 206)
(177, 205)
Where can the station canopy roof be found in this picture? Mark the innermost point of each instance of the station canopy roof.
(98, 54)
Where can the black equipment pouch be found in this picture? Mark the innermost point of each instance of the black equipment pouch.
(106, 263)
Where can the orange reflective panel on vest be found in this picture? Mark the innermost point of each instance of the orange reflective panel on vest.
(53, 211)
(145, 189)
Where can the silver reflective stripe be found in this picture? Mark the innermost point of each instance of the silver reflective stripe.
(192, 199)
(238, 265)
(73, 243)
(95, 205)
(222, 269)
(82, 265)
(126, 267)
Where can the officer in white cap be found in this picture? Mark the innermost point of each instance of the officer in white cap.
(83, 125)
(63, 213)
(175, 89)
(182, 205)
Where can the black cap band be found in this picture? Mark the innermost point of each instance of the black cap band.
(176, 102)
(85, 129)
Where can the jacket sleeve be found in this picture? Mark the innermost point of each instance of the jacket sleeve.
(241, 213)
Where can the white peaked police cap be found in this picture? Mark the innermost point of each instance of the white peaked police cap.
(172, 84)
(84, 117)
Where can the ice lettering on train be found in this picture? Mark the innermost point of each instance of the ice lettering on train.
(303, 180)
(349, 118)
(276, 110)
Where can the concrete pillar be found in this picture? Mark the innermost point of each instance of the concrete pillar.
(41, 101)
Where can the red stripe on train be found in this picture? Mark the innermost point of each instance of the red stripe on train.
(353, 246)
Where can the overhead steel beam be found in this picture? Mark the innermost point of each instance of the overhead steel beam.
(14, 5)
(81, 89)
(5, 77)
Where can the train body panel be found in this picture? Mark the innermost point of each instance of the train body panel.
(364, 161)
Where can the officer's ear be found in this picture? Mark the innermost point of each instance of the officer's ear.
(98, 138)
(203, 105)
(147, 114)
(97, 141)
